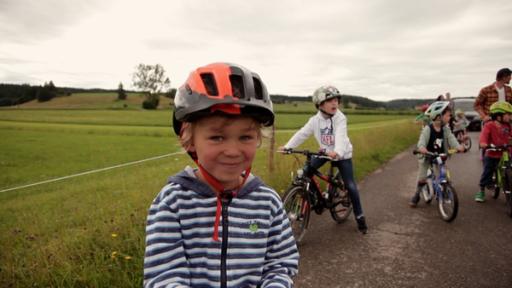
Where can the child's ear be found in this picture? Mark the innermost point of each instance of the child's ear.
(191, 147)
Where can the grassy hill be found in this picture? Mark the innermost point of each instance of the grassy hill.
(101, 100)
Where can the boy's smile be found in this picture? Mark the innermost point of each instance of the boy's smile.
(225, 147)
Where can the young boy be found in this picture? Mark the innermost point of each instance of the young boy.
(460, 121)
(219, 225)
(329, 126)
(435, 137)
(495, 132)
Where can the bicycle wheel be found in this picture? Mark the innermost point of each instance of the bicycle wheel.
(507, 187)
(426, 192)
(448, 202)
(467, 143)
(459, 136)
(297, 209)
(496, 188)
(342, 206)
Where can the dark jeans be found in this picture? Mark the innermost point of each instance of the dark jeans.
(347, 174)
(490, 165)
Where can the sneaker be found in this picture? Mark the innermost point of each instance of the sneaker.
(361, 225)
(480, 197)
(414, 200)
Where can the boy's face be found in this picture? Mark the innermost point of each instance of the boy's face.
(225, 147)
(506, 118)
(446, 116)
(330, 105)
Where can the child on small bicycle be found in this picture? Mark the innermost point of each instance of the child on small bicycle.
(435, 137)
(218, 225)
(495, 132)
(422, 118)
(460, 124)
(329, 126)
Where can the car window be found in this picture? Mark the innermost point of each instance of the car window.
(464, 105)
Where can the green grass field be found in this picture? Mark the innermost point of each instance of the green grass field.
(160, 118)
(88, 231)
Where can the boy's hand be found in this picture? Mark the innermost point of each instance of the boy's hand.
(332, 154)
(423, 150)
(461, 149)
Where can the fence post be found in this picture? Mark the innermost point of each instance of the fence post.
(271, 150)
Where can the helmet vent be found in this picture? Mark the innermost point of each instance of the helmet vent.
(237, 86)
(209, 84)
(258, 88)
(189, 90)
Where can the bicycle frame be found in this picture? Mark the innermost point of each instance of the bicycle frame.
(442, 177)
(502, 166)
(328, 178)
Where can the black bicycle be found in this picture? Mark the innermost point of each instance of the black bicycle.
(304, 195)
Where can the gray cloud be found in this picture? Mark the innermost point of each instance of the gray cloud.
(26, 21)
(379, 49)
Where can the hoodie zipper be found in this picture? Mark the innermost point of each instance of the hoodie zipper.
(224, 245)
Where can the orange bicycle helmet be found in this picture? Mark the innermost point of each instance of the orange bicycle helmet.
(225, 88)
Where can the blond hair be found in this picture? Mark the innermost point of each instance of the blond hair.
(186, 137)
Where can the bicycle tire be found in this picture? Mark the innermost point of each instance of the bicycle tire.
(448, 203)
(467, 143)
(496, 190)
(426, 192)
(341, 208)
(507, 188)
(298, 209)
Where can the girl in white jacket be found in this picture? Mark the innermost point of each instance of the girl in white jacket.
(329, 126)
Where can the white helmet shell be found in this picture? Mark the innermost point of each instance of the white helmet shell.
(325, 93)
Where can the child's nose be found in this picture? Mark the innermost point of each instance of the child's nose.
(231, 148)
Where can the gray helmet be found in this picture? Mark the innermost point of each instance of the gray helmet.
(223, 87)
(325, 93)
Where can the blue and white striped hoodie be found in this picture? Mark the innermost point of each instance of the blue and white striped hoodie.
(257, 247)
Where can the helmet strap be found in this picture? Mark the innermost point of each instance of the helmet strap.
(325, 113)
(221, 193)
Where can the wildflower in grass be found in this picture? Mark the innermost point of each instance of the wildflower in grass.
(127, 257)
(114, 235)
(113, 255)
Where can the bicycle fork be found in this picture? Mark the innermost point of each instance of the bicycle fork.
(443, 179)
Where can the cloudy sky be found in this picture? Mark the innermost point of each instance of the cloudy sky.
(380, 49)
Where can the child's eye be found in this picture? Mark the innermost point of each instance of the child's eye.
(247, 138)
(216, 138)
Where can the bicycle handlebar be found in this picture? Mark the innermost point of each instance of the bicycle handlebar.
(435, 154)
(497, 147)
(320, 154)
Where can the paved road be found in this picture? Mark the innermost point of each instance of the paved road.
(408, 247)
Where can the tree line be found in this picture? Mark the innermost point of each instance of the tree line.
(16, 94)
(153, 82)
